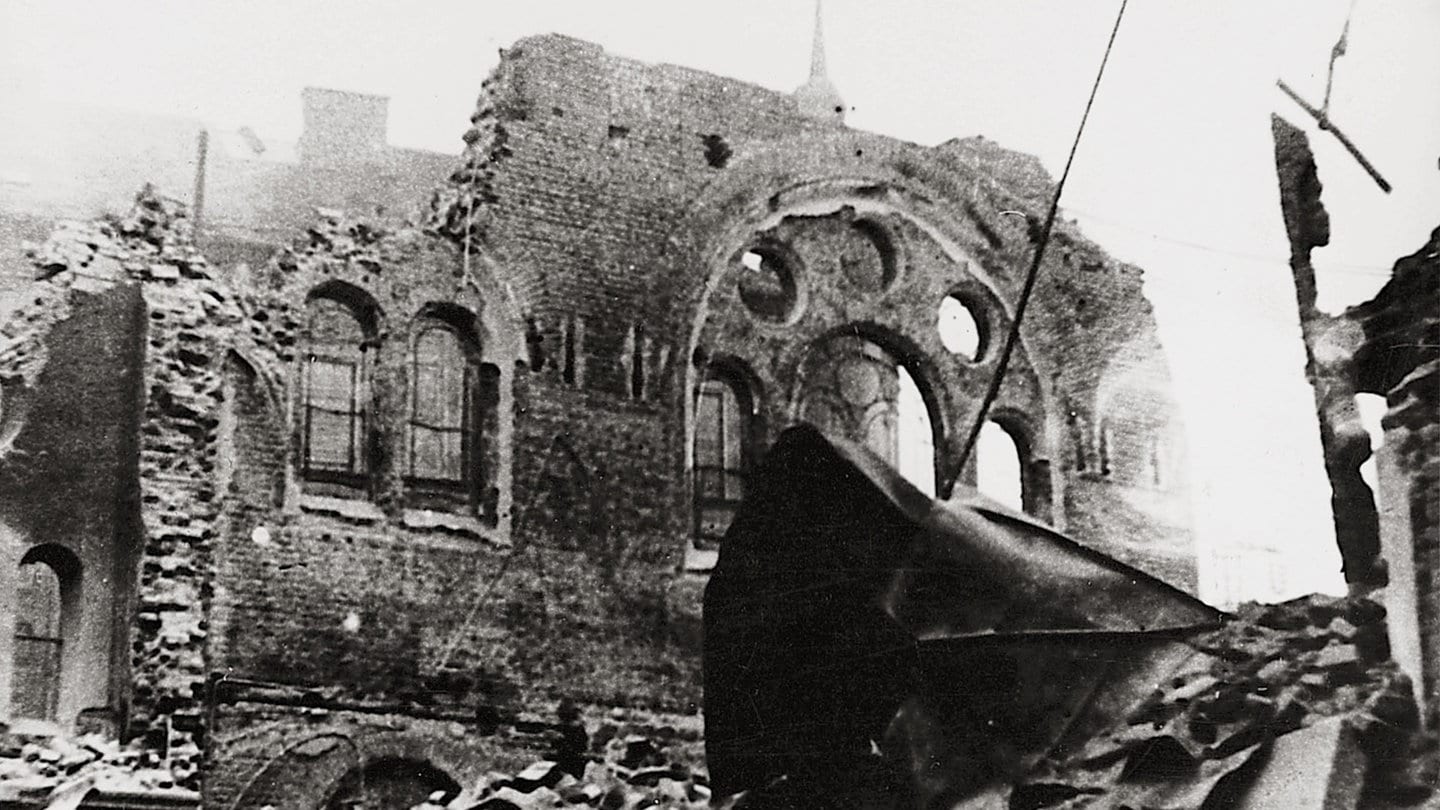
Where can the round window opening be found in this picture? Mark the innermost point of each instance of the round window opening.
(960, 329)
(767, 285)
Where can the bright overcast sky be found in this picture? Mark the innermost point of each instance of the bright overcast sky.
(1175, 173)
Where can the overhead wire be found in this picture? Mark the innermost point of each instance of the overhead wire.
(1326, 267)
(1013, 335)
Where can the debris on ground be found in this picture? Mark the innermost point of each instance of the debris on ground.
(1225, 723)
(623, 771)
(46, 770)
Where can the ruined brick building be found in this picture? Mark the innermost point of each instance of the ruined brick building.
(362, 515)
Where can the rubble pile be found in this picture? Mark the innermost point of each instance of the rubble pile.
(1215, 726)
(622, 771)
(47, 771)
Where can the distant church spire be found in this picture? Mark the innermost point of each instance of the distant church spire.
(817, 97)
(817, 47)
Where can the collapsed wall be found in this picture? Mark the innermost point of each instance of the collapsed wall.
(1398, 358)
(301, 625)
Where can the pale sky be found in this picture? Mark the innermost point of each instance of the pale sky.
(1175, 172)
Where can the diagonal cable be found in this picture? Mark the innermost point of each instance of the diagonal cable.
(1013, 336)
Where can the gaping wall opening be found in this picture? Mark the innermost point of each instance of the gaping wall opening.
(1000, 466)
(45, 646)
(391, 784)
(854, 388)
(335, 415)
(725, 445)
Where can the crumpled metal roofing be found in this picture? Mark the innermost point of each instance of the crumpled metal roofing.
(868, 646)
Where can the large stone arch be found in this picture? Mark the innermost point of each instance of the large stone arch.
(761, 189)
(311, 766)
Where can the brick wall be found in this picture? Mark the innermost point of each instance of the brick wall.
(1412, 436)
(66, 478)
(592, 236)
(630, 188)
(1399, 358)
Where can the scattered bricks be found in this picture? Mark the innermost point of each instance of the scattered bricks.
(1272, 672)
(163, 272)
(538, 775)
(609, 786)
(52, 767)
(1362, 612)
(638, 751)
(1322, 609)
(1341, 664)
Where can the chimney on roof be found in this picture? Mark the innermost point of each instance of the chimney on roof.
(340, 126)
(817, 97)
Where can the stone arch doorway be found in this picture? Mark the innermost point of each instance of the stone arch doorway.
(390, 783)
(853, 387)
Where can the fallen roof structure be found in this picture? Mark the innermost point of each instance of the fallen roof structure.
(867, 646)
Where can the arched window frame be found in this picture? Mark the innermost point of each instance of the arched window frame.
(55, 644)
(1035, 491)
(477, 385)
(734, 442)
(350, 403)
(423, 372)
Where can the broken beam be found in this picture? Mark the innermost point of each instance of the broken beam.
(1324, 121)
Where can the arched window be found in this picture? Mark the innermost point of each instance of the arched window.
(450, 453)
(1000, 466)
(45, 576)
(854, 388)
(441, 384)
(723, 409)
(335, 389)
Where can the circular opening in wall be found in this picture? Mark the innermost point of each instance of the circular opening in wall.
(960, 329)
(871, 267)
(767, 285)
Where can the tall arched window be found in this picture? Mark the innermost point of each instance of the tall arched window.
(854, 388)
(438, 450)
(1000, 466)
(45, 576)
(335, 395)
(723, 409)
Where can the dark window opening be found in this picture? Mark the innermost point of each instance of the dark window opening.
(768, 285)
(637, 364)
(440, 403)
(39, 644)
(1077, 439)
(567, 368)
(335, 394)
(1104, 448)
(722, 423)
(453, 408)
(391, 782)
